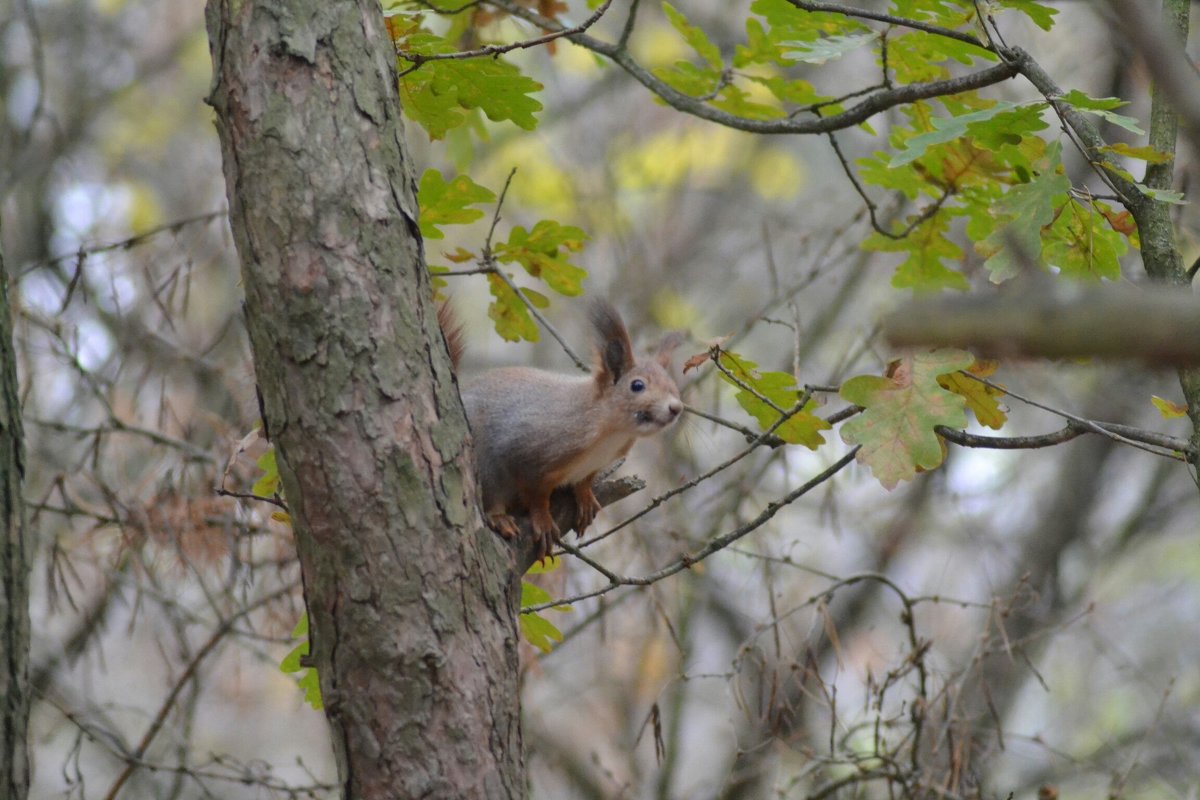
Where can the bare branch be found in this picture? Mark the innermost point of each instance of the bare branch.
(1047, 321)
(189, 672)
(124, 244)
(715, 545)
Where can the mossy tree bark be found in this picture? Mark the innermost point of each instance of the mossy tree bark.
(14, 572)
(1160, 251)
(408, 595)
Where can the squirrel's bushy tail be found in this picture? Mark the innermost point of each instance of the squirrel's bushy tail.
(452, 330)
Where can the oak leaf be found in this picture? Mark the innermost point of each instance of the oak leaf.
(902, 409)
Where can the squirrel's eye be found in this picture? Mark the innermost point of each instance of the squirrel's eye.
(638, 385)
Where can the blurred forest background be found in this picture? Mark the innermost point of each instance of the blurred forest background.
(1035, 609)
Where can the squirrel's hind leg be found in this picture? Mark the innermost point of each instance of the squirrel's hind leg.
(545, 531)
(587, 504)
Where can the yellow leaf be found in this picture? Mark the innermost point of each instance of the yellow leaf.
(547, 564)
(982, 399)
(459, 256)
(1168, 408)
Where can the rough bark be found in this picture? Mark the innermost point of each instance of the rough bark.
(14, 573)
(1160, 251)
(408, 596)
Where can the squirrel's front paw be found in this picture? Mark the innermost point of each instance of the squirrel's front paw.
(587, 507)
(503, 524)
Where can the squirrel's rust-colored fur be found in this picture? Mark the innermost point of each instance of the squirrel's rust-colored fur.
(452, 330)
(535, 430)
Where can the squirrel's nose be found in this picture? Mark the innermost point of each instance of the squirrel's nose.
(674, 407)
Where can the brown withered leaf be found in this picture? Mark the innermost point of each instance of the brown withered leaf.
(695, 361)
(713, 351)
(1121, 222)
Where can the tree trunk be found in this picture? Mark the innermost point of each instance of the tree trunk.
(408, 596)
(14, 572)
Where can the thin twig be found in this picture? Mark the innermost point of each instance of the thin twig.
(715, 545)
(488, 257)
(124, 244)
(1146, 440)
(418, 59)
(188, 673)
(891, 19)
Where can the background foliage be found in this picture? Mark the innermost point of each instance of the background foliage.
(1000, 620)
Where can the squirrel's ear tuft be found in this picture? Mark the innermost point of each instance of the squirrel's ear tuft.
(667, 346)
(612, 342)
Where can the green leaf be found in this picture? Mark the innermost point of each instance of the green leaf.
(438, 93)
(918, 57)
(1085, 102)
(511, 317)
(818, 51)
(436, 114)
(1041, 15)
(539, 631)
(1163, 195)
(896, 429)
(688, 78)
(945, 129)
(759, 47)
(761, 393)
(1081, 244)
(1147, 154)
(788, 23)
(1025, 210)
(543, 252)
(694, 36)
(267, 484)
(737, 101)
(876, 170)
(443, 203)
(309, 681)
(927, 247)
(946, 13)
(790, 90)
(534, 595)
(536, 629)
(1101, 107)
(1009, 128)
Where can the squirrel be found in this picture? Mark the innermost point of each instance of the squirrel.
(535, 430)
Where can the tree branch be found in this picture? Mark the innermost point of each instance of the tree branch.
(1048, 321)
(882, 100)
(418, 59)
